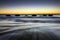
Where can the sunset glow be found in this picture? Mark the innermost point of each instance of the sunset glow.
(29, 11)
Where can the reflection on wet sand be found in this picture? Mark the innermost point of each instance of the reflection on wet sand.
(10, 24)
(13, 26)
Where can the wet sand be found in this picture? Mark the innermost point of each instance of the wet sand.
(10, 24)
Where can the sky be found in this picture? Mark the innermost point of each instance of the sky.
(28, 2)
(28, 6)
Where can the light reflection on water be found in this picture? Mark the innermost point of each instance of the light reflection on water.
(10, 24)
